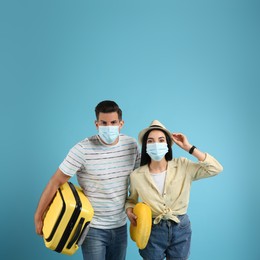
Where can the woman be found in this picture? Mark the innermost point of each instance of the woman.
(163, 183)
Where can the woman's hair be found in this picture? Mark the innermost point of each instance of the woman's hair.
(145, 158)
(108, 106)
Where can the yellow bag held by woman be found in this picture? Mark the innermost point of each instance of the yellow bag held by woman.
(141, 232)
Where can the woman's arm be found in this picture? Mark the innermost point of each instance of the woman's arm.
(182, 141)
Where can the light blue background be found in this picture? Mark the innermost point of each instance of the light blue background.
(194, 65)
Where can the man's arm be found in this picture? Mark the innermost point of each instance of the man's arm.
(55, 182)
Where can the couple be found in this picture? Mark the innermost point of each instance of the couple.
(103, 164)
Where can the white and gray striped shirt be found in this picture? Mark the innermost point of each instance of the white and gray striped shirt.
(102, 172)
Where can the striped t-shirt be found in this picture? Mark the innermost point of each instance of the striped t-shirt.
(102, 172)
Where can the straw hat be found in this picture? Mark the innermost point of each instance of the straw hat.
(154, 125)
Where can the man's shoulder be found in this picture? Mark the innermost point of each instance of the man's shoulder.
(127, 138)
(88, 141)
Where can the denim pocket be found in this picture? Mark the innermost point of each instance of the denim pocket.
(184, 221)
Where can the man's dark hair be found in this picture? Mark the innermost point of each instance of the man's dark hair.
(145, 158)
(108, 106)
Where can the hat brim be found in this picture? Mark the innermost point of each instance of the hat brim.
(144, 131)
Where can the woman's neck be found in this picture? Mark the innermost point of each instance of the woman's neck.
(157, 167)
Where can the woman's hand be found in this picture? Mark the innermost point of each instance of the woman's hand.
(181, 140)
(131, 216)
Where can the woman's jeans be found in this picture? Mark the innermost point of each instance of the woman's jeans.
(169, 239)
(105, 244)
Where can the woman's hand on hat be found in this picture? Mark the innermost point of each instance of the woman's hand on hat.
(181, 140)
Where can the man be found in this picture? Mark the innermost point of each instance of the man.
(102, 164)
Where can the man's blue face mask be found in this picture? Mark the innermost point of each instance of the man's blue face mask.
(157, 150)
(108, 133)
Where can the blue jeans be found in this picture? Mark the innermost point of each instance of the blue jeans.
(169, 239)
(105, 244)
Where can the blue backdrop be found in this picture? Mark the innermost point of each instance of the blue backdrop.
(193, 65)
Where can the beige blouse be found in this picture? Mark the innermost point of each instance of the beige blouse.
(175, 198)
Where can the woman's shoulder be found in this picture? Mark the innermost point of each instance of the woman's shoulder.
(178, 161)
(140, 170)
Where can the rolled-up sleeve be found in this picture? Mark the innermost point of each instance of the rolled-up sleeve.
(204, 169)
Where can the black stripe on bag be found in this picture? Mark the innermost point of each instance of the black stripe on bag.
(72, 220)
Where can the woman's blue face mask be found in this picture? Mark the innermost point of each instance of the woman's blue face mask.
(157, 150)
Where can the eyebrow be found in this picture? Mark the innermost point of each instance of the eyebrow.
(160, 137)
(114, 121)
